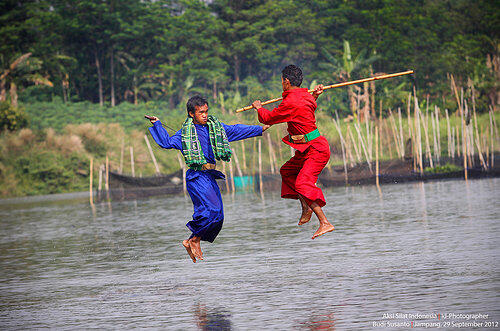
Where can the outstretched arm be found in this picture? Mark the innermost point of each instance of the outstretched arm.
(278, 115)
(160, 135)
(242, 131)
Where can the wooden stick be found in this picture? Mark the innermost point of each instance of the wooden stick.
(244, 164)
(270, 150)
(349, 132)
(438, 132)
(337, 85)
(492, 157)
(183, 167)
(91, 193)
(368, 160)
(132, 160)
(152, 155)
(261, 189)
(464, 141)
(106, 185)
(401, 134)
(232, 175)
(434, 134)
(449, 135)
(121, 156)
(342, 145)
(394, 134)
(376, 159)
(238, 169)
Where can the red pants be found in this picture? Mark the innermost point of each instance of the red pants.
(300, 173)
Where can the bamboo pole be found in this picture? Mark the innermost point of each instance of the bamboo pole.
(368, 160)
(459, 149)
(449, 134)
(376, 160)
(478, 142)
(237, 162)
(132, 160)
(152, 155)
(492, 163)
(270, 147)
(342, 146)
(279, 145)
(427, 144)
(359, 81)
(227, 177)
(254, 156)
(394, 134)
(99, 186)
(122, 150)
(244, 164)
(418, 134)
(452, 141)
(438, 127)
(464, 141)
(232, 176)
(401, 134)
(182, 165)
(434, 134)
(261, 188)
(106, 185)
(91, 193)
(349, 132)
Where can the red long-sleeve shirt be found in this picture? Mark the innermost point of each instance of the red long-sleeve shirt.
(297, 110)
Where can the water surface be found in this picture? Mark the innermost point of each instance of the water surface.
(417, 248)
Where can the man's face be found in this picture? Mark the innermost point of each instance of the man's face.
(200, 115)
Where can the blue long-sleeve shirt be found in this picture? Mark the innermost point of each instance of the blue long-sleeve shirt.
(233, 133)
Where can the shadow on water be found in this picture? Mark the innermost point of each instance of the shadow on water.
(211, 319)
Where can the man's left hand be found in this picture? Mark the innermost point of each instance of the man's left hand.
(257, 104)
(318, 90)
(265, 127)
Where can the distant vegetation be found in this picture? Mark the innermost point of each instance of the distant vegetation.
(78, 76)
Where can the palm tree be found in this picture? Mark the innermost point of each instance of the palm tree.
(344, 70)
(16, 73)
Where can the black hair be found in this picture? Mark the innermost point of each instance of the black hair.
(195, 101)
(293, 73)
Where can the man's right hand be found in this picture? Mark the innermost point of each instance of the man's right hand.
(152, 119)
(257, 104)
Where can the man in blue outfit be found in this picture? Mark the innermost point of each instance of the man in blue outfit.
(202, 140)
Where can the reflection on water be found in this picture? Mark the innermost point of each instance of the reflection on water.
(211, 319)
(418, 248)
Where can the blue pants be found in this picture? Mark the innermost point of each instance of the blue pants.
(208, 213)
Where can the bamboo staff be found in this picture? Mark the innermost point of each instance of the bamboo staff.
(449, 135)
(434, 134)
(337, 85)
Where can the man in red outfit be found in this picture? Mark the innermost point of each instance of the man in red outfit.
(300, 173)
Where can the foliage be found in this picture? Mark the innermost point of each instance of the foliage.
(11, 118)
(448, 167)
(166, 50)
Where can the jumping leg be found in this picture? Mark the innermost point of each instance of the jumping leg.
(306, 211)
(324, 225)
(194, 243)
(187, 246)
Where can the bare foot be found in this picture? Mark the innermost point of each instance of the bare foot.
(196, 248)
(306, 216)
(323, 228)
(186, 245)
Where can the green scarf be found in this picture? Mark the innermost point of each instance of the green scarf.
(191, 148)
